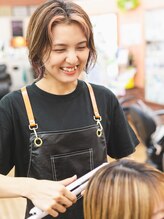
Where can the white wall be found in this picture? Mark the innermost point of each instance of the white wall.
(151, 4)
(95, 7)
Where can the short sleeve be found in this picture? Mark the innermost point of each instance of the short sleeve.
(6, 142)
(122, 139)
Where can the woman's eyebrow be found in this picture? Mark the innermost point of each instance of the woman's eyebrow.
(59, 44)
(82, 42)
(63, 44)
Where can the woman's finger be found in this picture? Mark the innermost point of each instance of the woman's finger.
(69, 196)
(59, 207)
(52, 212)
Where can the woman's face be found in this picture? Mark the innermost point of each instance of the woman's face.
(69, 54)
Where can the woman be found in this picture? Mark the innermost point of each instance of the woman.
(59, 113)
(125, 189)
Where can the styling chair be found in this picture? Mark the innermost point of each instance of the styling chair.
(150, 130)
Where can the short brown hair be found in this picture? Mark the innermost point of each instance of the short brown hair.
(46, 16)
(124, 189)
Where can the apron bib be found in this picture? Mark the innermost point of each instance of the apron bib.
(62, 154)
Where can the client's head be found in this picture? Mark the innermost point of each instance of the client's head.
(125, 189)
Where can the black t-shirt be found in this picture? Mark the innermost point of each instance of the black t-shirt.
(59, 112)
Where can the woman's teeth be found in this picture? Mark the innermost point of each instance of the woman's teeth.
(69, 69)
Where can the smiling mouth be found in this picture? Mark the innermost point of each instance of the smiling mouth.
(69, 69)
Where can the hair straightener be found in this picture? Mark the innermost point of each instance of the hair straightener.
(76, 188)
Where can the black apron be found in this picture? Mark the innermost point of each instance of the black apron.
(62, 154)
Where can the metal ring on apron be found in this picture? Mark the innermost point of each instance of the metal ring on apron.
(99, 133)
(100, 129)
(38, 142)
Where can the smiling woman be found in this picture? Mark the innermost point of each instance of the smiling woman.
(66, 16)
(55, 123)
(67, 59)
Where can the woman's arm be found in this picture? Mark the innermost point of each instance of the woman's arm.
(49, 196)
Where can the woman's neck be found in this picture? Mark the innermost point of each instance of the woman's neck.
(57, 87)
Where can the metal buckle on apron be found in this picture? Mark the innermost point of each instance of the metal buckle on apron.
(100, 129)
(37, 141)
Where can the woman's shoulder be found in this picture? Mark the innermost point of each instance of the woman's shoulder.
(8, 103)
(103, 91)
(97, 87)
(12, 97)
(104, 96)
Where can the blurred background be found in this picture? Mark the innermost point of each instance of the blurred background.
(129, 37)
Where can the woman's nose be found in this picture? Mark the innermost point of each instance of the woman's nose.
(72, 57)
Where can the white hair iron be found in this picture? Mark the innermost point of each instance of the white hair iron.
(76, 188)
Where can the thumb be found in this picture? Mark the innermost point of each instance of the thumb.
(69, 180)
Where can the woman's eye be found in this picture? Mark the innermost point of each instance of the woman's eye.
(59, 50)
(81, 47)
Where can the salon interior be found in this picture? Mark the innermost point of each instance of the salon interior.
(129, 38)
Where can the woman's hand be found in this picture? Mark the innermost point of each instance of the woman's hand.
(51, 196)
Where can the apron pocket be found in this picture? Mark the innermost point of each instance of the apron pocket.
(68, 164)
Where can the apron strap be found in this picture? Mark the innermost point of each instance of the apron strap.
(28, 107)
(93, 100)
(33, 126)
